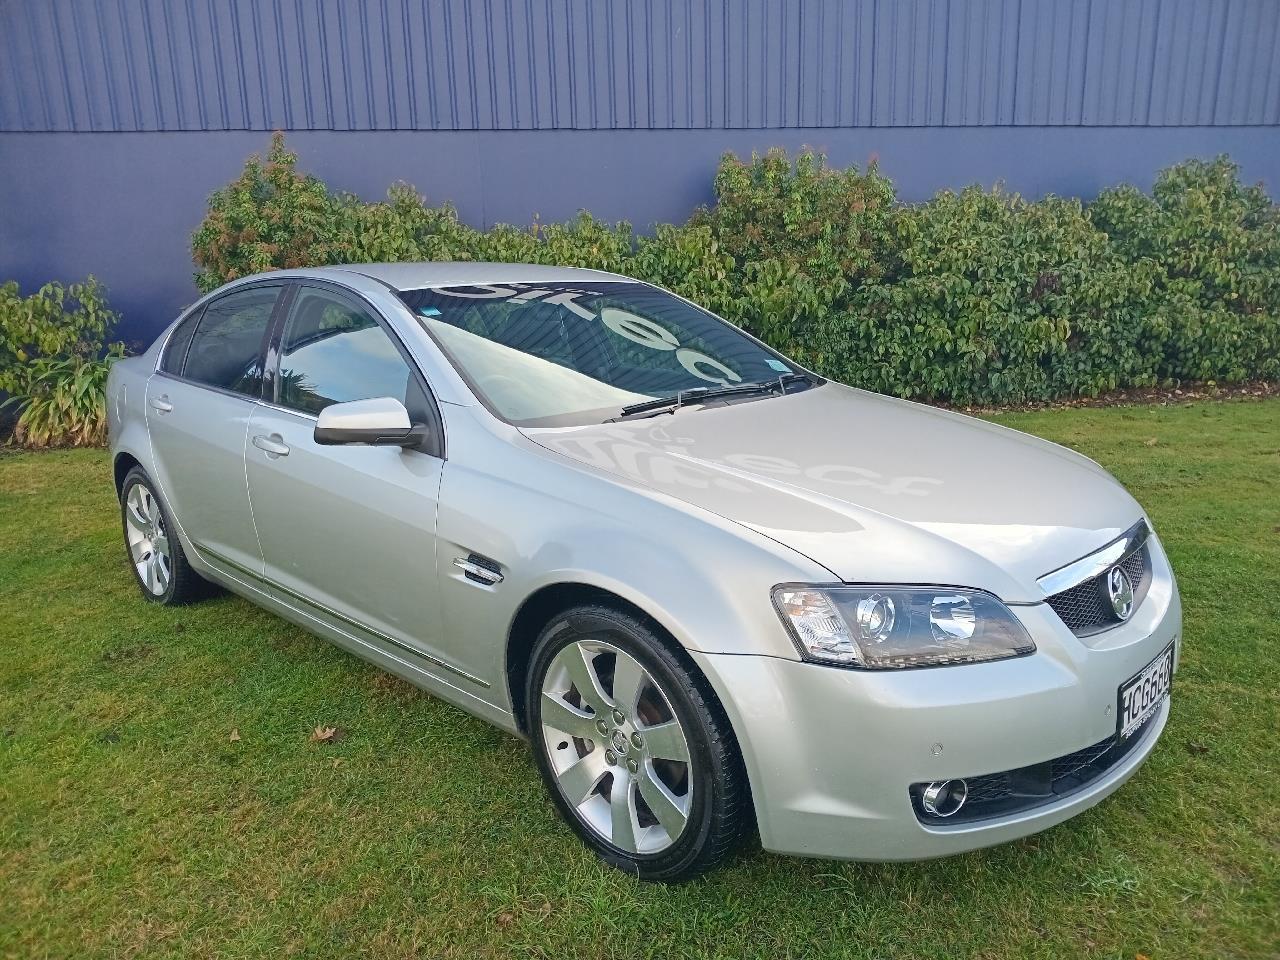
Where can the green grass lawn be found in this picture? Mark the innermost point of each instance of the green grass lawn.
(133, 822)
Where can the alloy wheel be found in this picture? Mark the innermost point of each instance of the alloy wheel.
(618, 752)
(147, 539)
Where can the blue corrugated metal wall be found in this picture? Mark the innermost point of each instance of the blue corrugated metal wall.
(118, 117)
(130, 65)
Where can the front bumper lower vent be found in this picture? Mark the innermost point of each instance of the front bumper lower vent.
(1013, 791)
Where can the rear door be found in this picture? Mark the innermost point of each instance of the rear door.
(199, 405)
(350, 531)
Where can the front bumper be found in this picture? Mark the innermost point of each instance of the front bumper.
(831, 753)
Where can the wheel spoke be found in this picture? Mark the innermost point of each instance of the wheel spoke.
(137, 512)
(152, 578)
(580, 780)
(622, 803)
(666, 741)
(662, 802)
(566, 718)
(139, 551)
(162, 573)
(577, 662)
(628, 680)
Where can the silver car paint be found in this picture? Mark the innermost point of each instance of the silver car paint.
(693, 518)
(873, 488)
(202, 476)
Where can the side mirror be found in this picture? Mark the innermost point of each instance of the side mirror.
(382, 421)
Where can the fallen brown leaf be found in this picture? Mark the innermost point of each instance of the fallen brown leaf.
(1150, 442)
(235, 735)
(323, 734)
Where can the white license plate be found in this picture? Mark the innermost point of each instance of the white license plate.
(1141, 696)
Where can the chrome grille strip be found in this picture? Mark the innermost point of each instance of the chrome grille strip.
(1088, 567)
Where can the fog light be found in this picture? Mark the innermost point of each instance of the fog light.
(944, 798)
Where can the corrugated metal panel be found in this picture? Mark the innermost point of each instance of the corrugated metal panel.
(123, 65)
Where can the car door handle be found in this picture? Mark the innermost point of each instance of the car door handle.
(274, 445)
(161, 403)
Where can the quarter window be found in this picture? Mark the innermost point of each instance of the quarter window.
(175, 351)
(226, 350)
(334, 351)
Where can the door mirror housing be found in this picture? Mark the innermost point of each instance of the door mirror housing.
(380, 422)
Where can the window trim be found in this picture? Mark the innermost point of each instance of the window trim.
(282, 282)
(435, 445)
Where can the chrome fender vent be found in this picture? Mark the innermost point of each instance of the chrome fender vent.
(479, 569)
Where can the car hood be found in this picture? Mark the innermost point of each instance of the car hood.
(872, 488)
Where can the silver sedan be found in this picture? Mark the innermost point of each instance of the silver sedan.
(715, 591)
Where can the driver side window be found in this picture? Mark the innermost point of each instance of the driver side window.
(335, 351)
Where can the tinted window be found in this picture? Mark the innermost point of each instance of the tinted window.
(334, 351)
(175, 351)
(556, 353)
(226, 349)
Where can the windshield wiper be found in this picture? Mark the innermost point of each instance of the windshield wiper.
(702, 394)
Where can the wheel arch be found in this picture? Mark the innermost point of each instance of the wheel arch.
(543, 605)
(121, 465)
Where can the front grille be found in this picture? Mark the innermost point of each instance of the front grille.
(1086, 607)
(1013, 791)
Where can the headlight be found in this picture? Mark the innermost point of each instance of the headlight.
(887, 628)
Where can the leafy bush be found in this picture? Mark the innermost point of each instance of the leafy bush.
(975, 297)
(53, 361)
(402, 228)
(65, 402)
(995, 300)
(801, 235)
(690, 261)
(1215, 246)
(55, 321)
(268, 218)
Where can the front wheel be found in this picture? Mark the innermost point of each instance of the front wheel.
(635, 751)
(155, 553)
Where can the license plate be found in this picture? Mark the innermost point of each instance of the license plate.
(1141, 696)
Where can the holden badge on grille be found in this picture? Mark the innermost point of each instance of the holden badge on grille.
(1120, 591)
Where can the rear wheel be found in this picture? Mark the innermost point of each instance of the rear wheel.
(635, 751)
(154, 551)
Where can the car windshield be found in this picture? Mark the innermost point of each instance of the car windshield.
(562, 354)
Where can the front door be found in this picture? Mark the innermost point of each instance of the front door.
(347, 532)
(198, 411)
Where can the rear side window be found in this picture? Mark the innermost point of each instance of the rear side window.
(226, 350)
(175, 351)
(334, 351)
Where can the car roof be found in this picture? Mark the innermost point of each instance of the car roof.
(413, 276)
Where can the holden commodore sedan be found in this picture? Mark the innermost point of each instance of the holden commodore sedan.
(715, 591)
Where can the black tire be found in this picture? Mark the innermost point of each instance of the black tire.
(720, 813)
(184, 584)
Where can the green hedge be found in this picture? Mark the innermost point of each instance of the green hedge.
(976, 297)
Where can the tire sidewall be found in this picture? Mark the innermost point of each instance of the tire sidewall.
(625, 633)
